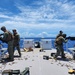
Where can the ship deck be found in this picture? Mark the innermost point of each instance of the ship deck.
(39, 66)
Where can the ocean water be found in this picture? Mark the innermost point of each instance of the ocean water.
(69, 44)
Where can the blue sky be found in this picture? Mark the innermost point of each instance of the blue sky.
(38, 18)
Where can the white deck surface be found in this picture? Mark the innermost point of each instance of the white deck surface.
(38, 66)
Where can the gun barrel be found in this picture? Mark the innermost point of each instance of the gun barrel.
(1, 34)
(71, 38)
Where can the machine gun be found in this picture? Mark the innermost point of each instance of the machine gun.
(1, 34)
(70, 38)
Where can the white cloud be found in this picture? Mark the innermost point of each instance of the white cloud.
(49, 16)
(5, 16)
(42, 34)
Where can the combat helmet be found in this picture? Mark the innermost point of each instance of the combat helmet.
(3, 28)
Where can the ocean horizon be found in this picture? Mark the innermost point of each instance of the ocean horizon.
(69, 44)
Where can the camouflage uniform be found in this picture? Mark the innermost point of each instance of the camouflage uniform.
(59, 46)
(8, 38)
(16, 41)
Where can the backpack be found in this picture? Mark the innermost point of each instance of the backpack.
(10, 36)
(59, 40)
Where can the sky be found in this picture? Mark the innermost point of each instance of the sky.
(38, 18)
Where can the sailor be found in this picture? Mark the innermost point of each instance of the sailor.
(8, 38)
(60, 33)
(16, 41)
(59, 45)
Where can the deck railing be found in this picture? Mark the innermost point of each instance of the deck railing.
(69, 44)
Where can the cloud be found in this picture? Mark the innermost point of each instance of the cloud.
(45, 34)
(5, 16)
(48, 9)
(42, 34)
(45, 17)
